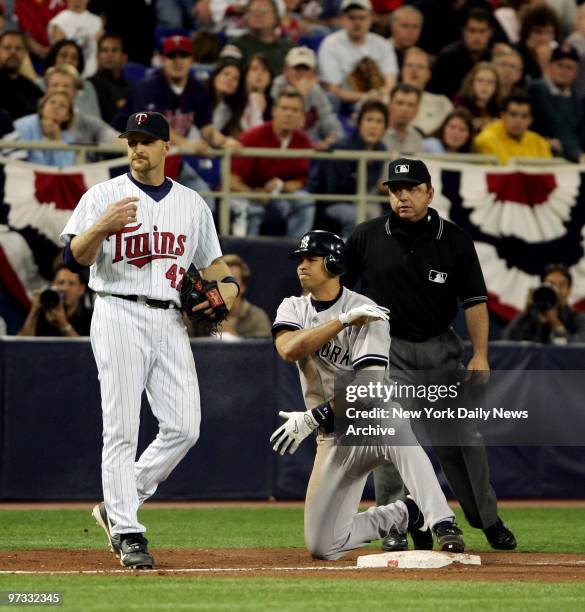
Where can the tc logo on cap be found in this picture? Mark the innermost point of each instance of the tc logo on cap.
(438, 277)
(402, 169)
(141, 118)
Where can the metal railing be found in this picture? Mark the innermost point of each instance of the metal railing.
(361, 197)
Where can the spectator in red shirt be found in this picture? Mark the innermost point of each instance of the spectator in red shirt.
(33, 19)
(277, 176)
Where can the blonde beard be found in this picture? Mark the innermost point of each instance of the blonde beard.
(141, 169)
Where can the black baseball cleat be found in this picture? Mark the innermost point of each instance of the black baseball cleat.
(449, 537)
(100, 514)
(394, 541)
(133, 549)
(418, 529)
(500, 537)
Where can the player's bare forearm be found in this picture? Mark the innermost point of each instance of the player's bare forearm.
(294, 345)
(86, 246)
(216, 271)
(477, 320)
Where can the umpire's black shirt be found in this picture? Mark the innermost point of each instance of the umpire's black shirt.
(421, 271)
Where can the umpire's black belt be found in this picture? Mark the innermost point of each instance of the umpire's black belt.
(141, 299)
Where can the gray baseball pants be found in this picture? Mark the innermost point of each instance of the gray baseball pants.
(333, 524)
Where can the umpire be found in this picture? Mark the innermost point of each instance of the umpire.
(422, 268)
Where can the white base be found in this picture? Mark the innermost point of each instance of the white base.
(417, 559)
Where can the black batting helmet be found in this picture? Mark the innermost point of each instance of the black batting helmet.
(323, 244)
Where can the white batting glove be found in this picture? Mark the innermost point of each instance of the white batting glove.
(298, 426)
(364, 314)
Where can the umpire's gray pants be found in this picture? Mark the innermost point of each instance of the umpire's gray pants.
(466, 467)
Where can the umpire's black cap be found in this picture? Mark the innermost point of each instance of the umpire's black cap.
(405, 170)
(148, 123)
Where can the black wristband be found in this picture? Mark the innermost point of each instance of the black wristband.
(70, 261)
(324, 415)
(231, 279)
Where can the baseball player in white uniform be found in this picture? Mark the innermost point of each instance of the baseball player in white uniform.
(330, 330)
(139, 233)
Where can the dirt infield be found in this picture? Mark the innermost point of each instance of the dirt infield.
(84, 505)
(279, 562)
(267, 562)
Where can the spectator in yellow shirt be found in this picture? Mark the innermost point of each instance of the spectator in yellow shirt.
(509, 136)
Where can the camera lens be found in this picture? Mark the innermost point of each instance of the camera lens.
(49, 298)
(545, 297)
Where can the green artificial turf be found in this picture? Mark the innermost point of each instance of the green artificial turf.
(118, 593)
(537, 529)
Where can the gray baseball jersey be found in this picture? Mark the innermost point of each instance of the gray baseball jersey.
(333, 524)
(352, 349)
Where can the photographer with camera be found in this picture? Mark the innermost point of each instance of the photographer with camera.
(548, 318)
(58, 310)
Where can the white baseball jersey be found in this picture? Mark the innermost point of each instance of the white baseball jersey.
(150, 256)
(352, 349)
(138, 348)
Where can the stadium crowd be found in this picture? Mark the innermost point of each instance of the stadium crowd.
(504, 78)
(215, 68)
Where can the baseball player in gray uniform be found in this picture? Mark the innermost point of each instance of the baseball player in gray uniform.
(326, 331)
(139, 232)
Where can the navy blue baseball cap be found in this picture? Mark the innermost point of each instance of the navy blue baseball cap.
(565, 51)
(147, 123)
(405, 170)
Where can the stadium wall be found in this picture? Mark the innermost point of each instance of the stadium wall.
(50, 426)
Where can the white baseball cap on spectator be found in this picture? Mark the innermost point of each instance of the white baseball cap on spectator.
(231, 52)
(346, 5)
(301, 56)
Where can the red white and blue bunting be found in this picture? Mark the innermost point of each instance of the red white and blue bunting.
(521, 220)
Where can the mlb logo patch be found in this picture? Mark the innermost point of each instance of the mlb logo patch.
(402, 169)
(438, 277)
